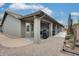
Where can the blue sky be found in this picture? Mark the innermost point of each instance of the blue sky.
(56, 10)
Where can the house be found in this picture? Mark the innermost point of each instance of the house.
(0, 26)
(29, 26)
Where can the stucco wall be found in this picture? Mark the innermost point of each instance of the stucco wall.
(12, 26)
(22, 29)
(0, 28)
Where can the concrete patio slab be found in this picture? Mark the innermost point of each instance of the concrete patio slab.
(61, 34)
(11, 42)
(51, 46)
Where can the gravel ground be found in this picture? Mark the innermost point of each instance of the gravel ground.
(47, 47)
(13, 42)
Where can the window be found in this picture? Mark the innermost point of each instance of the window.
(28, 28)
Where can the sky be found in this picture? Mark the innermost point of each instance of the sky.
(58, 11)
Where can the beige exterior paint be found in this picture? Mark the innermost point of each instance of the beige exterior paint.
(50, 29)
(22, 29)
(0, 28)
(36, 29)
(12, 26)
(18, 28)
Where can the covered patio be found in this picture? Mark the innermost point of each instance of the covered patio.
(34, 23)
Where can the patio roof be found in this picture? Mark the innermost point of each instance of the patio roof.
(20, 17)
(13, 14)
(40, 14)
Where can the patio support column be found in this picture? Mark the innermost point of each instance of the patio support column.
(50, 29)
(30, 31)
(36, 30)
(60, 28)
(56, 29)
